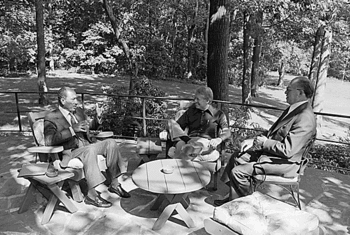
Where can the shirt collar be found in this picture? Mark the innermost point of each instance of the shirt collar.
(65, 112)
(296, 105)
(210, 109)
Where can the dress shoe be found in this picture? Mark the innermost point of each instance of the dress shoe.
(98, 202)
(221, 202)
(119, 191)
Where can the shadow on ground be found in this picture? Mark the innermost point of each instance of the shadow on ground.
(324, 194)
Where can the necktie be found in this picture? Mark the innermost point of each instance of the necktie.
(80, 135)
(72, 119)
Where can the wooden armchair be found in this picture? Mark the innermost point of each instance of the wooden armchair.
(49, 187)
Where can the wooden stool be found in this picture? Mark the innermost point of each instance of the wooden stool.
(51, 188)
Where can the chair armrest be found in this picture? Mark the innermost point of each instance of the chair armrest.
(46, 149)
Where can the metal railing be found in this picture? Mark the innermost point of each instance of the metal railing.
(144, 118)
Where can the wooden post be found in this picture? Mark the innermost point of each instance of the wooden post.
(144, 117)
(82, 100)
(18, 112)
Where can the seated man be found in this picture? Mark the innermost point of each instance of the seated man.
(278, 152)
(203, 122)
(68, 126)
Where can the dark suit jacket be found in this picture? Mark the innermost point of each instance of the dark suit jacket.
(288, 138)
(56, 132)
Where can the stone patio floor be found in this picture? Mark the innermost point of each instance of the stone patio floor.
(325, 194)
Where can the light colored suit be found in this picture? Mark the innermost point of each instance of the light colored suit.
(280, 154)
(57, 132)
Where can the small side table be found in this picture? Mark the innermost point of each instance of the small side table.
(51, 188)
(186, 177)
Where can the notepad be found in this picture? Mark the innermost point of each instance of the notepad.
(30, 169)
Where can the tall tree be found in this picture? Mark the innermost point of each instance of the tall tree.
(258, 19)
(218, 42)
(122, 43)
(246, 79)
(41, 53)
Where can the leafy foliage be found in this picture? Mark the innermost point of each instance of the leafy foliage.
(120, 111)
(331, 157)
(240, 129)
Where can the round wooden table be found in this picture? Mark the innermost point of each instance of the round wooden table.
(186, 177)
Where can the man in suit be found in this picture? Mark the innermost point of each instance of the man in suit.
(279, 151)
(203, 122)
(69, 126)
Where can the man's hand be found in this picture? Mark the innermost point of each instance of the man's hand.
(215, 142)
(260, 140)
(99, 110)
(82, 126)
(246, 144)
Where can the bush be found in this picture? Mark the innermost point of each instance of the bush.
(120, 111)
(239, 130)
(331, 157)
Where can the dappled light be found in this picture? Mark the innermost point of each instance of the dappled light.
(324, 194)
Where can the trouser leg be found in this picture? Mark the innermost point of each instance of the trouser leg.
(88, 156)
(116, 163)
(240, 178)
(236, 159)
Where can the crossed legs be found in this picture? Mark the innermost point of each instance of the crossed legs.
(116, 163)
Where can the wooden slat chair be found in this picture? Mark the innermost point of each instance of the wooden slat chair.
(36, 122)
(290, 184)
(49, 187)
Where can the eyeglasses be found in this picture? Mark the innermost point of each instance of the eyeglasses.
(290, 89)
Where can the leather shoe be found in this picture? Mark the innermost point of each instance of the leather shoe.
(119, 191)
(98, 202)
(221, 202)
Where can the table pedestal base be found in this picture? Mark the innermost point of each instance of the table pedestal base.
(178, 203)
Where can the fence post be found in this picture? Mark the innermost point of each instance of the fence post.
(18, 113)
(144, 117)
(82, 100)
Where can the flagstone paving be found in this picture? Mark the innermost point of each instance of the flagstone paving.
(324, 194)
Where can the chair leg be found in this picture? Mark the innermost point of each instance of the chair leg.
(297, 199)
(76, 191)
(28, 199)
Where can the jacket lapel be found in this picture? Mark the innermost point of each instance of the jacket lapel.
(61, 119)
(283, 120)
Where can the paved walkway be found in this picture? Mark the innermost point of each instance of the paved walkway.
(323, 193)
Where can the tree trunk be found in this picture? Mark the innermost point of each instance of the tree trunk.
(132, 62)
(319, 68)
(218, 42)
(42, 86)
(190, 68)
(246, 82)
(256, 53)
(206, 32)
(173, 41)
(280, 74)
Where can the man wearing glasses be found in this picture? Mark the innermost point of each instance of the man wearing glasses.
(279, 150)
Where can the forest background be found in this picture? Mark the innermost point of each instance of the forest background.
(222, 42)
